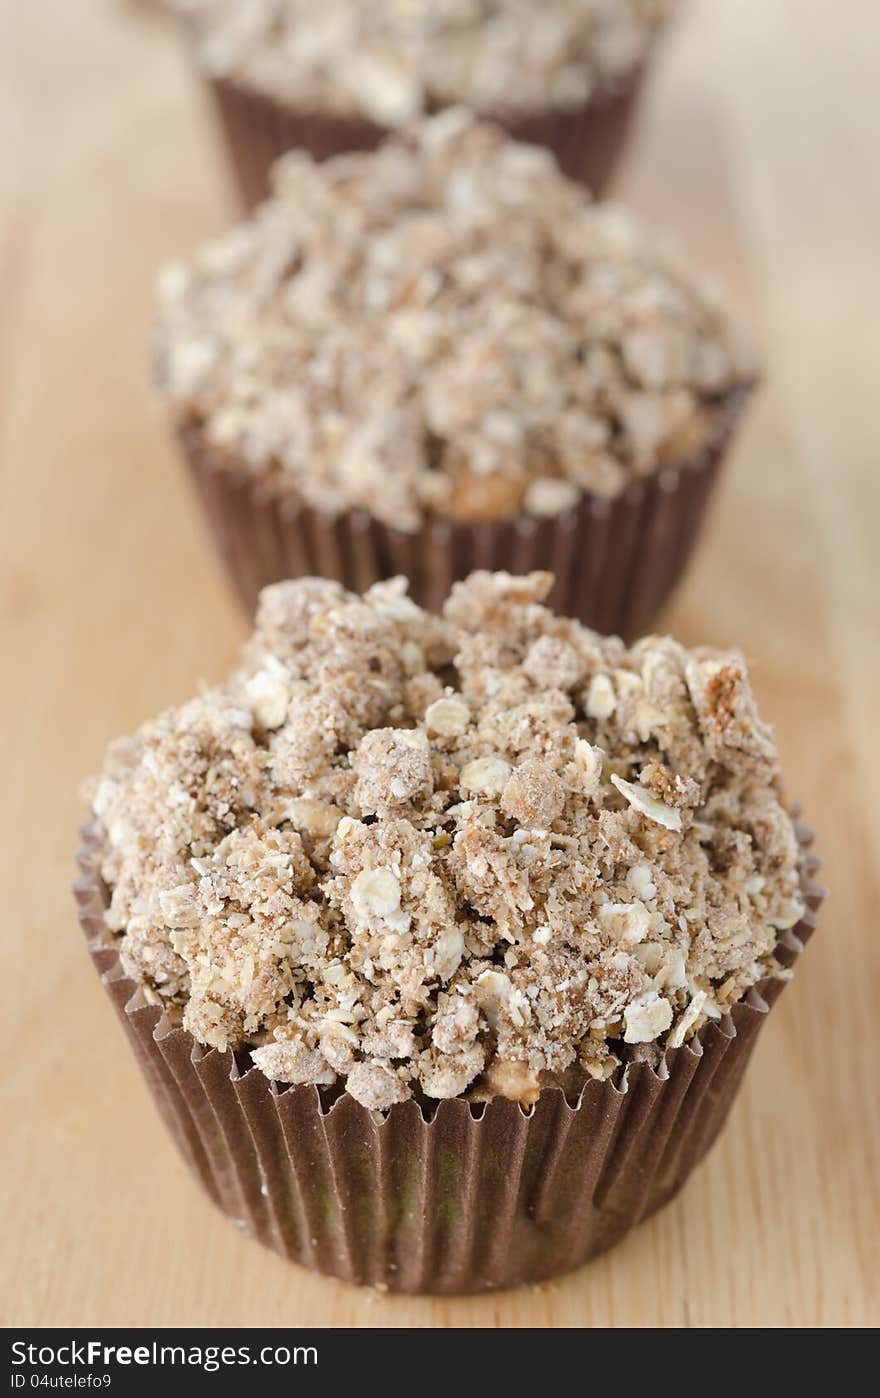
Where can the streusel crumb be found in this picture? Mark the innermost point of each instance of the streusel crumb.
(446, 326)
(471, 872)
(392, 60)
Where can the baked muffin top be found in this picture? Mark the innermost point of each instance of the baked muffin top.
(446, 325)
(443, 855)
(392, 60)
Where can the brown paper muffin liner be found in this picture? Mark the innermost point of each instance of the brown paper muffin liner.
(614, 561)
(466, 1199)
(587, 141)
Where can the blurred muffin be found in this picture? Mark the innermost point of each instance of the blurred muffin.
(438, 356)
(505, 881)
(340, 75)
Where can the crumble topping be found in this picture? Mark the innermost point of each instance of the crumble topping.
(446, 325)
(397, 851)
(393, 60)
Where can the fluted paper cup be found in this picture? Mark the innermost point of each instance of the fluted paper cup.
(614, 561)
(458, 1198)
(587, 141)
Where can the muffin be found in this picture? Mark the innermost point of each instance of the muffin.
(339, 76)
(443, 941)
(441, 356)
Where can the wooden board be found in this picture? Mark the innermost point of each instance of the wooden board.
(759, 150)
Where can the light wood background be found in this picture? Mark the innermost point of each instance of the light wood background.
(759, 148)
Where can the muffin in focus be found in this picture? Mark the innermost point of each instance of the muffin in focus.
(341, 75)
(454, 921)
(439, 356)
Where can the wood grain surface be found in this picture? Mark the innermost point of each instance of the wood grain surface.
(758, 149)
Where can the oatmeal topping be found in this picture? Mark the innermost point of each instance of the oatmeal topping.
(392, 60)
(445, 326)
(466, 877)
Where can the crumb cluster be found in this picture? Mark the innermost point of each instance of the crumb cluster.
(393, 60)
(443, 855)
(446, 325)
